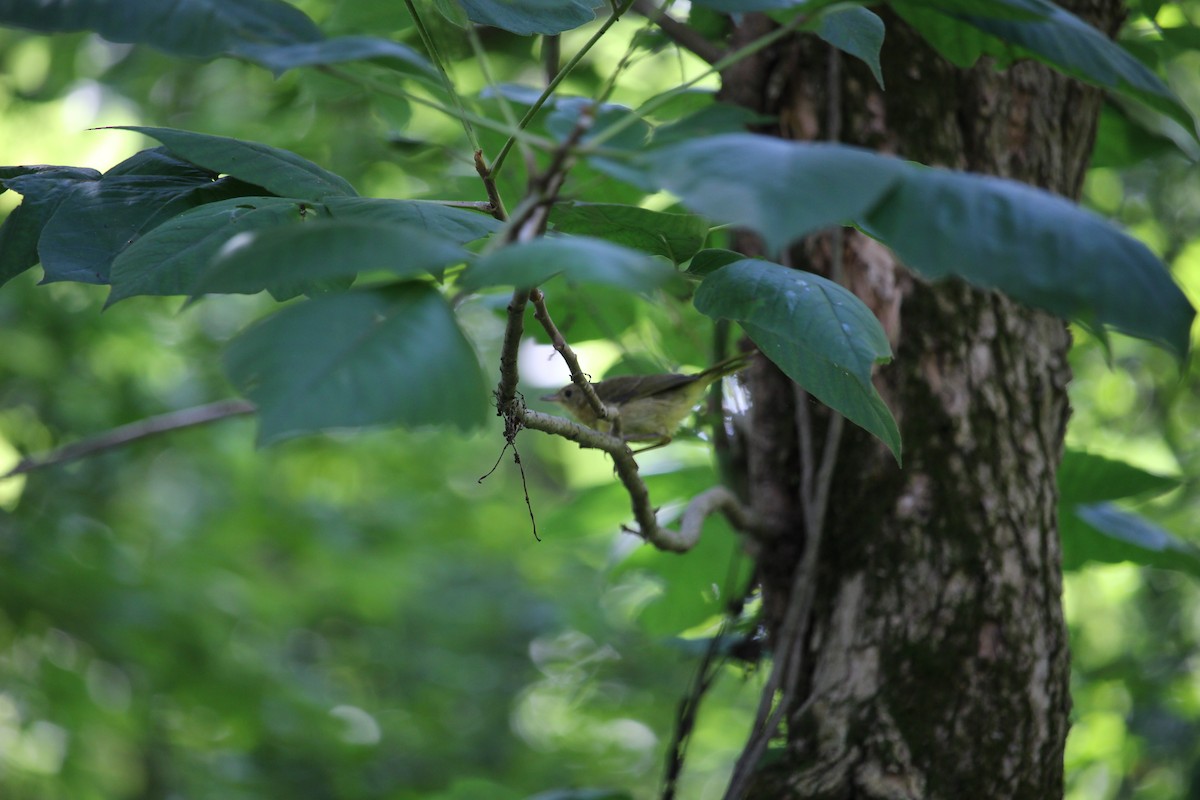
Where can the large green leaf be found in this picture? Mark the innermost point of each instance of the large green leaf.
(271, 33)
(1036, 247)
(531, 16)
(169, 259)
(1058, 38)
(278, 171)
(817, 332)
(43, 190)
(453, 224)
(857, 31)
(673, 236)
(783, 190)
(279, 58)
(579, 259)
(391, 355)
(998, 234)
(282, 259)
(1085, 478)
(1102, 532)
(198, 28)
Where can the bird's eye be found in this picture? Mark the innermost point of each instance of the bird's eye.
(568, 392)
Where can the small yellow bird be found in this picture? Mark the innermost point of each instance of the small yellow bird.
(646, 407)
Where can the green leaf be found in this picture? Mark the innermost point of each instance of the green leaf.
(1125, 139)
(278, 171)
(857, 31)
(1065, 42)
(711, 260)
(783, 190)
(391, 355)
(1039, 249)
(43, 190)
(1102, 532)
(281, 259)
(578, 258)
(279, 58)
(197, 28)
(817, 332)
(526, 17)
(452, 224)
(673, 236)
(746, 6)
(169, 259)
(1085, 477)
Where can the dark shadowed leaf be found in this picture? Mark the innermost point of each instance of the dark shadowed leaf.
(579, 259)
(169, 259)
(280, 259)
(43, 190)
(278, 171)
(673, 236)
(1085, 477)
(453, 224)
(816, 331)
(857, 31)
(391, 355)
(1056, 37)
(279, 58)
(531, 16)
(711, 260)
(198, 28)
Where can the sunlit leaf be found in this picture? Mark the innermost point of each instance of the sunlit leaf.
(391, 355)
(1085, 477)
(579, 259)
(816, 331)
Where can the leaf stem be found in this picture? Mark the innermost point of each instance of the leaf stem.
(447, 83)
(126, 434)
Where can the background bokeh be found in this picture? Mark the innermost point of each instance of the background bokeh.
(356, 615)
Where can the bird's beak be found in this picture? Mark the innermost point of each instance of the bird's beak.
(551, 398)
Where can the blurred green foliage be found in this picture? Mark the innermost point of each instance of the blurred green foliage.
(355, 615)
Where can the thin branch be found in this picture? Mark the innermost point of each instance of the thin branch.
(495, 205)
(553, 84)
(815, 489)
(125, 434)
(436, 57)
(722, 64)
(683, 35)
(578, 377)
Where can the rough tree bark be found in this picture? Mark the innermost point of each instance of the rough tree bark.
(936, 662)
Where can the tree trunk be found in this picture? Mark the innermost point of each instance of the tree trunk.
(935, 661)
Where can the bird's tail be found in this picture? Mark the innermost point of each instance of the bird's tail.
(728, 366)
